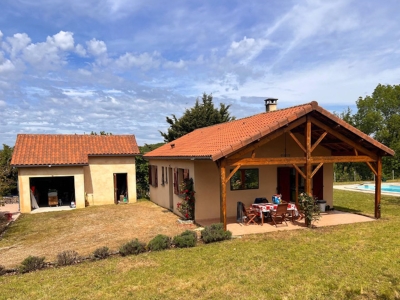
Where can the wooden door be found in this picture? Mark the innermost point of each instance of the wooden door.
(318, 184)
(115, 189)
(284, 183)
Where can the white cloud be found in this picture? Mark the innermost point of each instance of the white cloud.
(145, 60)
(7, 66)
(175, 65)
(84, 72)
(3, 103)
(96, 47)
(80, 50)
(64, 40)
(247, 49)
(17, 43)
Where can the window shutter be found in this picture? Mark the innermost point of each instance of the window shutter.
(176, 185)
(166, 174)
(156, 176)
(186, 174)
(150, 181)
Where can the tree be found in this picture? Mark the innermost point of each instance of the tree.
(101, 133)
(203, 114)
(142, 170)
(378, 115)
(8, 174)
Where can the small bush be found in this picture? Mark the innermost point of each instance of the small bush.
(2, 270)
(132, 247)
(159, 242)
(101, 253)
(186, 239)
(215, 233)
(31, 263)
(68, 257)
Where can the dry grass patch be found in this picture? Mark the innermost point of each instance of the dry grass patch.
(85, 230)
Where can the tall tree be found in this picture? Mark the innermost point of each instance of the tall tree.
(378, 115)
(203, 114)
(142, 170)
(8, 174)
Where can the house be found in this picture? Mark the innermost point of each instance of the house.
(285, 151)
(84, 169)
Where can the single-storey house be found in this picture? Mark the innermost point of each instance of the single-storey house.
(285, 151)
(57, 169)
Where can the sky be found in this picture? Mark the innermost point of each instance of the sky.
(123, 66)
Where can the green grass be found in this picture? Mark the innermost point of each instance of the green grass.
(357, 261)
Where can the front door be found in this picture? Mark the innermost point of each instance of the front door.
(284, 183)
(318, 184)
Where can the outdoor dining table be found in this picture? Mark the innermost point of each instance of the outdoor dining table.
(260, 208)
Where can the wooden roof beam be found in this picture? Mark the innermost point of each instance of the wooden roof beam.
(343, 138)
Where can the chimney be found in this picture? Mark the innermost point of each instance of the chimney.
(270, 104)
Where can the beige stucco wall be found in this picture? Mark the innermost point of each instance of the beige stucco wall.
(207, 179)
(161, 194)
(24, 186)
(99, 178)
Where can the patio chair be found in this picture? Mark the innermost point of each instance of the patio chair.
(249, 215)
(279, 216)
(260, 200)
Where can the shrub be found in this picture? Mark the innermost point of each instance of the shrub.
(215, 233)
(67, 258)
(186, 239)
(160, 242)
(31, 263)
(2, 270)
(101, 253)
(132, 247)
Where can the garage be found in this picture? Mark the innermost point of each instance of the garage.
(45, 189)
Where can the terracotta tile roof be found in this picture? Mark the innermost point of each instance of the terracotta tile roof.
(216, 141)
(69, 149)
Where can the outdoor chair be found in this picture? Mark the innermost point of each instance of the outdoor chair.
(249, 214)
(279, 216)
(260, 200)
(301, 213)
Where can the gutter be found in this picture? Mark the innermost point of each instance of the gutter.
(179, 157)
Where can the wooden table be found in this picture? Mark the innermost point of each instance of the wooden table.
(260, 208)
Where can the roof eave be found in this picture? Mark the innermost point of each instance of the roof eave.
(179, 157)
(49, 165)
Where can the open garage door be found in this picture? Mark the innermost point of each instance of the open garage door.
(53, 191)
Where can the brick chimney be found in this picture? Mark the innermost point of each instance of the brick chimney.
(270, 104)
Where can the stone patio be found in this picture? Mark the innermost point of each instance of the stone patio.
(327, 219)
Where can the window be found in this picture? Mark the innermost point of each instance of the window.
(166, 174)
(153, 176)
(179, 176)
(245, 179)
(162, 176)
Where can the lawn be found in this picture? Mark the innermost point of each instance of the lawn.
(84, 230)
(357, 261)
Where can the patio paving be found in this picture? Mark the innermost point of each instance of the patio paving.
(327, 219)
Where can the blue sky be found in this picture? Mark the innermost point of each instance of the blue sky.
(122, 66)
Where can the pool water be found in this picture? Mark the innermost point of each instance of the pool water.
(384, 188)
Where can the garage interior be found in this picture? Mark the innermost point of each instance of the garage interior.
(63, 186)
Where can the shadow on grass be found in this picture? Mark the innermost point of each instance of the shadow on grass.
(346, 209)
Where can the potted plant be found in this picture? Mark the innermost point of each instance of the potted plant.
(310, 209)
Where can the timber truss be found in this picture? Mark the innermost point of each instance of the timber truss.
(345, 142)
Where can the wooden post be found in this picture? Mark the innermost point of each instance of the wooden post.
(297, 188)
(378, 185)
(308, 157)
(222, 171)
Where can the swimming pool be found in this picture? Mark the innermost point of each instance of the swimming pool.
(384, 188)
